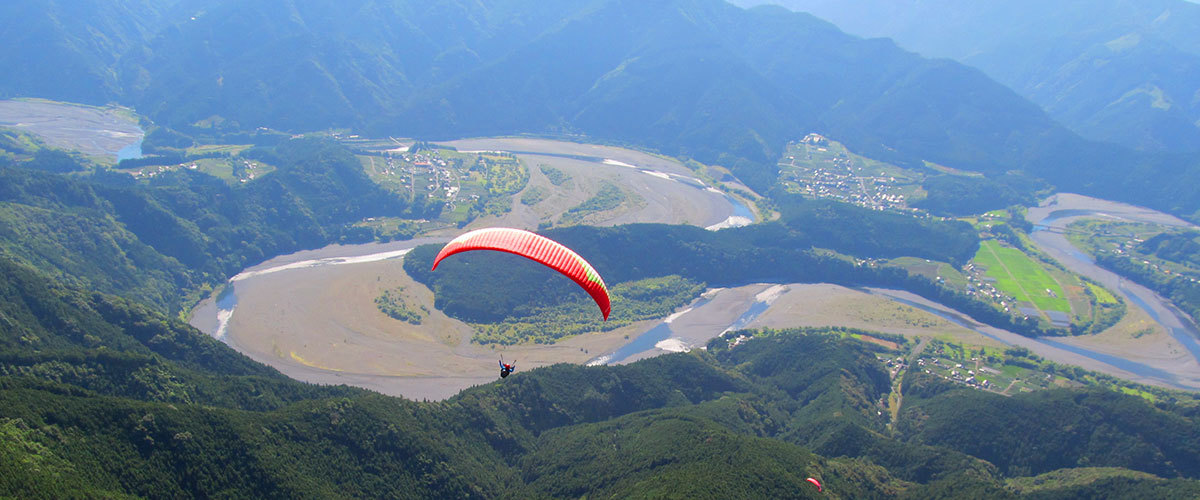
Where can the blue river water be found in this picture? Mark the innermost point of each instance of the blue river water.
(130, 152)
(227, 299)
(739, 208)
(662, 331)
(1186, 333)
(642, 343)
(1186, 336)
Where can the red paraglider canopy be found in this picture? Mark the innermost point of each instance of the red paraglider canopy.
(537, 248)
(815, 483)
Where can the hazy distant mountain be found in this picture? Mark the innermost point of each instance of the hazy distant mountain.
(701, 78)
(68, 49)
(687, 76)
(316, 64)
(1123, 71)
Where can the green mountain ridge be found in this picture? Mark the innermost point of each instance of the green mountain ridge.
(729, 423)
(699, 78)
(183, 230)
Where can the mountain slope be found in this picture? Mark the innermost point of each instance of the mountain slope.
(698, 78)
(156, 242)
(75, 366)
(1118, 71)
(312, 65)
(709, 80)
(69, 49)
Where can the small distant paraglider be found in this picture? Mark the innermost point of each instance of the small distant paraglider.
(816, 483)
(506, 368)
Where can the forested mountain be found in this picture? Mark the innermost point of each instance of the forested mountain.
(108, 397)
(103, 397)
(70, 49)
(184, 229)
(700, 78)
(1121, 71)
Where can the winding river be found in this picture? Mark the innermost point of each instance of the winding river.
(1050, 219)
(301, 314)
(721, 310)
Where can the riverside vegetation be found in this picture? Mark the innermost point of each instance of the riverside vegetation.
(716, 91)
(391, 302)
(1161, 260)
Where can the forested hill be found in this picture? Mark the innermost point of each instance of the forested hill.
(700, 78)
(72, 48)
(104, 398)
(793, 249)
(184, 229)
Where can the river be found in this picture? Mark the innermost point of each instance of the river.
(101, 131)
(721, 310)
(1050, 218)
(310, 314)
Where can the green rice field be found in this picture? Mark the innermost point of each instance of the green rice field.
(1022, 277)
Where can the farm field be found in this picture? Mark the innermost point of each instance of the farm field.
(943, 272)
(1021, 277)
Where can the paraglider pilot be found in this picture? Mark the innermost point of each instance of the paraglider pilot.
(506, 368)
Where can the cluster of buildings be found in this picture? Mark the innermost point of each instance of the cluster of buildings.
(842, 180)
(149, 172)
(249, 168)
(243, 170)
(433, 174)
(741, 339)
(895, 366)
(979, 284)
(958, 373)
(1127, 247)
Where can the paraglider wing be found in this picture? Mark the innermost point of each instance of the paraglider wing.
(815, 483)
(537, 248)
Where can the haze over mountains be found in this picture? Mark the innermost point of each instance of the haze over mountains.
(1122, 71)
(694, 77)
